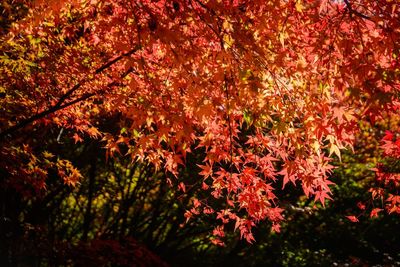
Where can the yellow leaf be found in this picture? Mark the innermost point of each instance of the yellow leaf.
(47, 154)
(228, 41)
(334, 149)
(299, 6)
(316, 146)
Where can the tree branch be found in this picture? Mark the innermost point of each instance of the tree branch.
(59, 105)
(355, 12)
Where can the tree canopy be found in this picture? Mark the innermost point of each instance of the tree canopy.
(260, 96)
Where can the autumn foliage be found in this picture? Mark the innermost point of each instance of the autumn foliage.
(267, 92)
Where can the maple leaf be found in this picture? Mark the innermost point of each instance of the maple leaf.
(196, 203)
(182, 187)
(352, 218)
(288, 174)
(77, 138)
(206, 170)
(334, 149)
(276, 228)
(208, 210)
(321, 196)
(93, 132)
(188, 215)
(388, 136)
(47, 154)
(361, 205)
(374, 212)
(218, 242)
(249, 238)
(219, 231)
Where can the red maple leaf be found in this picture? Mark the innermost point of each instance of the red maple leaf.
(352, 218)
